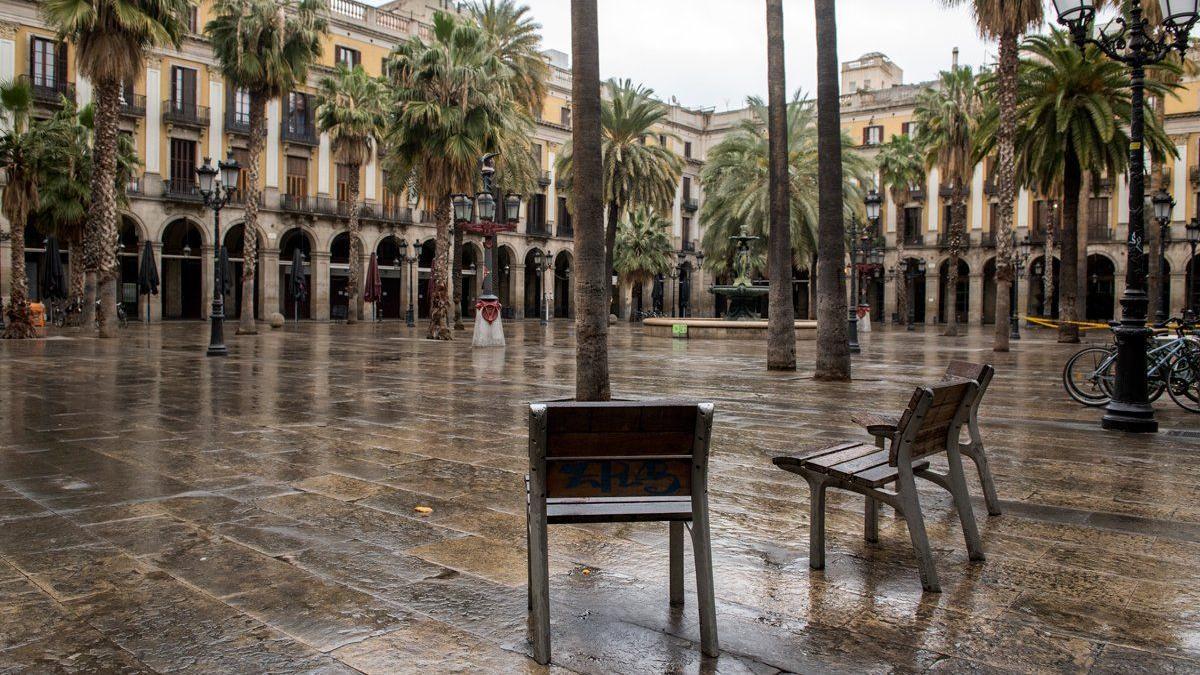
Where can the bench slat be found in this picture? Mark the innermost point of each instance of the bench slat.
(618, 477)
(618, 511)
(584, 444)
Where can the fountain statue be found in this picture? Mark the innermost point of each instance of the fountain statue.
(742, 290)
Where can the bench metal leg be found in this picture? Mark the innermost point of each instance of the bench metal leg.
(676, 544)
(911, 510)
(816, 520)
(962, 504)
(975, 452)
(871, 520)
(705, 596)
(539, 585)
(528, 564)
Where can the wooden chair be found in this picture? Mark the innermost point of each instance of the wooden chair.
(931, 424)
(884, 427)
(631, 461)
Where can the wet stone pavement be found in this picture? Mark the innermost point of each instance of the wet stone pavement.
(164, 512)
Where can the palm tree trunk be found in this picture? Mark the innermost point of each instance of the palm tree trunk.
(958, 212)
(76, 272)
(456, 275)
(1005, 177)
(20, 324)
(1048, 286)
(610, 245)
(901, 277)
(781, 331)
(1068, 282)
(354, 310)
(833, 351)
(592, 254)
(258, 140)
(439, 292)
(1154, 242)
(102, 212)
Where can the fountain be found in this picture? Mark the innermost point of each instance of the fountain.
(742, 291)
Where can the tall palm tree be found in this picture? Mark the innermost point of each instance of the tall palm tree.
(110, 39)
(587, 205)
(1005, 21)
(515, 38)
(636, 172)
(644, 248)
(833, 349)
(28, 149)
(452, 103)
(901, 166)
(350, 108)
(737, 184)
(781, 331)
(947, 117)
(263, 47)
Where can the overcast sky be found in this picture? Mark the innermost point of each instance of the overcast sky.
(713, 52)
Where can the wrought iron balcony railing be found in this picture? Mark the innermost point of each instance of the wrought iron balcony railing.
(50, 90)
(185, 114)
(237, 122)
(182, 191)
(300, 134)
(691, 204)
(132, 105)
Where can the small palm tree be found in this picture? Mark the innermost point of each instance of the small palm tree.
(644, 249)
(263, 47)
(947, 116)
(901, 166)
(350, 108)
(636, 172)
(111, 38)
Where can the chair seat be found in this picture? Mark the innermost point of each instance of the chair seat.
(876, 424)
(618, 510)
(860, 463)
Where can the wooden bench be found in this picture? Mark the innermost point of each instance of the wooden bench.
(930, 424)
(632, 461)
(883, 427)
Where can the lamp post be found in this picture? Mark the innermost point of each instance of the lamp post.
(1162, 203)
(674, 288)
(409, 319)
(1193, 239)
(541, 261)
(1019, 260)
(1132, 42)
(681, 305)
(487, 333)
(217, 186)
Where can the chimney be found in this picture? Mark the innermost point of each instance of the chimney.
(954, 58)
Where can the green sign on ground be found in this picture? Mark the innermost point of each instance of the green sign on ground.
(679, 330)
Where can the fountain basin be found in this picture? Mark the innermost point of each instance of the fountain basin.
(720, 329)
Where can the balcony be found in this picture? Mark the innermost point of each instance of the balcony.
(182, 191)
(914, 240)
(295, 203)
(50, 91)
(987, 239)
(134, 187)
(544, 179)
(916, 194)
(538, 230)
(691, 204)
(185, 114)
(943, 240)
(392, 214)
(688, 246)
(1099, 233)
(299, 134)
(566, 230)
(237, 122)
(132, 105)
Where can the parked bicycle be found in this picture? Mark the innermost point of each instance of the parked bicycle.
(1173, 366)
(71, 313)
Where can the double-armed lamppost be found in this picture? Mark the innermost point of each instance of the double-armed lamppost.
(860, 248)
(487, 333)
(542, 260)
(409, 319)
(1162, 203)
(217, 186)
(1193, 239)
(1019, 260)
(1131, 40)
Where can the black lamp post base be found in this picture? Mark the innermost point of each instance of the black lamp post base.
(217, 350)
(852, 327)
(1131, 417)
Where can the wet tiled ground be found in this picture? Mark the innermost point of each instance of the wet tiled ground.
(162, 512)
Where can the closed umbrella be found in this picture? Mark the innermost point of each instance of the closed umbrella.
(148, 276)
(373, 285)
(299, 292)
(52, 281)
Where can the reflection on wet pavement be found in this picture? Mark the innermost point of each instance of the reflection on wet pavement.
(343, 499)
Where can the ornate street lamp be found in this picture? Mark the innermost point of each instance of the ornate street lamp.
(541, 262)
(488, 333)
(1020, 257)
(1132, 42)
(217, 193)
(1193, 239)
(1162, 204)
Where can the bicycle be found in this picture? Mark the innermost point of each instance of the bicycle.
(1089, 374)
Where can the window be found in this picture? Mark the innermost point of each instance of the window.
(47, 63)
(947, 217)
(242, 157)
(1044, 211)
(391, 200)
(298, 115)
(662, 140)
(994, 217)
(183, 89)
(343, 182)
(126, 93)
(687, 149)
(240, 106)
(909, 129)
(297, 176)
(872, 135)
(346, 56)
(912, 225)
(867, 84)
(193, 19)
(564, 217)
(853, 86)
(565, 116)
(536, 150)
(183, 165)
(687, 188)
(1097, 222)
(686, 229)
(536, 216)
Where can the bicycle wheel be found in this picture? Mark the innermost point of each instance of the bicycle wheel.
(1183, 382)
(1088, 376)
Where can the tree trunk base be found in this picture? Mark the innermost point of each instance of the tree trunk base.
(87, 318)
(18, 324)
(242, 330)
(108, 309)
(442, 333)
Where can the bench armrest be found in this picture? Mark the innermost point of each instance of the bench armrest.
(876, 424)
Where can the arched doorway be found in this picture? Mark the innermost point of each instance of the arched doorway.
(471, 265)
(129, 253)
(1193, 284)
(800, 282)
(562, 286)
(391, 274)
(503, 281)
(1101, 288)
(533, 286)
(339, 276)
(1037, 288)
(424, 270)
(916, 291)
(989, 291)
(962, 296)
(182, 273)
(683, 290)
(235, 248)
(291, 241)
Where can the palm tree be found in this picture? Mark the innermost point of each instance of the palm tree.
(264, 48)
(350, 108)
(111, 38)
(901, 166)
(635, 172)
(1005, 21)
(515, 38)
(592, 280)
(737, 182)
(28, 149)
(644, 248)
(452, 103)
(947, 116)
(833, 349)
(781, 331)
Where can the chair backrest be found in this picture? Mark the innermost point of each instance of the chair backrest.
(980, 372)
(933, 419)
(619, 449)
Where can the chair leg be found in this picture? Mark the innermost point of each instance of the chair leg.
(816, 521)
(871, 520)
(962, 503)
(977, 455)
(676, 544)
(539, 556)
(911, 511)
(528, 564)
(705, 596)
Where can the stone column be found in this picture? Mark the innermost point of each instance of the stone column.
(216, 119)
(153, 116)
(975, 299)
(271, 179)
(323, 154)
(517, 276)
(206, 280)
(932, 291)
(154, 300)
(1178, 292)
(269, 299)
(889, 301)
(319, 307)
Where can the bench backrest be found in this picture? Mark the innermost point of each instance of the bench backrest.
(933, 419)
(619, 449)
(965, 370)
